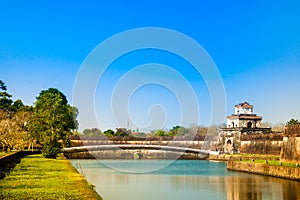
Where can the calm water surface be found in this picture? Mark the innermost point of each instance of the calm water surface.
(182, 179)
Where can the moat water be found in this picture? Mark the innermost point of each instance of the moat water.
(181, 179)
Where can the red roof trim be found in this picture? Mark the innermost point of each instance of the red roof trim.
(243, 117)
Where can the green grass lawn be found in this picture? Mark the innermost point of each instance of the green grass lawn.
(36, 177)
(261, 158)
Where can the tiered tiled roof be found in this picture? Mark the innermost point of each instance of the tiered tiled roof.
(244, 105)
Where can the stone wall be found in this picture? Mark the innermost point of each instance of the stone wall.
(249, 144)
(291, 144)
(291, 148)
(265, 169)
(261, 144)
(261, 147)
(292, 130)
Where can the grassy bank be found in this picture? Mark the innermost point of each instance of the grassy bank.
(231, 157)
(255, 158)
(38, 178)
(258, 167)
(272, 162)
(4, 153)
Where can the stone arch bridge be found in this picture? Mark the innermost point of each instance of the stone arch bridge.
(134, 151)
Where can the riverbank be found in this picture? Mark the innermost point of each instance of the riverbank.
(38, 178)
(275, 169)
(268, 165)
(238, 157)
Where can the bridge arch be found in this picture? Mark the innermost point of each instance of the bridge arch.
(134, 150)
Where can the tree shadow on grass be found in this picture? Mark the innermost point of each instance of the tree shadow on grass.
(7, 163)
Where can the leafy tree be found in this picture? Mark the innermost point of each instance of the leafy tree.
(7, 104)
(161, 133)
(292, 122)
(109, 133)
(178, 131)
(5, 101)
(52, 121)
(13, 130)
(19, 106)
(13, 121)
(122, 132)
(2, 85)
(5, 130)
(92, 131)
(86, 131)
(5, 98)
(51, 148)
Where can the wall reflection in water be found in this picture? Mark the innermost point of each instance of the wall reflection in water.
(243, 186)
(198, 180)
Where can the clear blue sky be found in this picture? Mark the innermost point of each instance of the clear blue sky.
(255, 45)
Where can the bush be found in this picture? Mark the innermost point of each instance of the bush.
(51, 148)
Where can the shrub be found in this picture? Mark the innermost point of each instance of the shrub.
(51, 148)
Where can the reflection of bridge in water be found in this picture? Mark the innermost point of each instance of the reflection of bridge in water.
(98, 148)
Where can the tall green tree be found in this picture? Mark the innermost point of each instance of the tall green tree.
(161, 133)
(178, 131)
(109, 133)
(7, 104)
(292, 122)
(52, 121)
(2, 85)
(5, 98)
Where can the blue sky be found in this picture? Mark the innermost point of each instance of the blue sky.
(255, 45)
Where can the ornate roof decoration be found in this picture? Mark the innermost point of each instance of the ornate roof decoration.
(244, 105)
